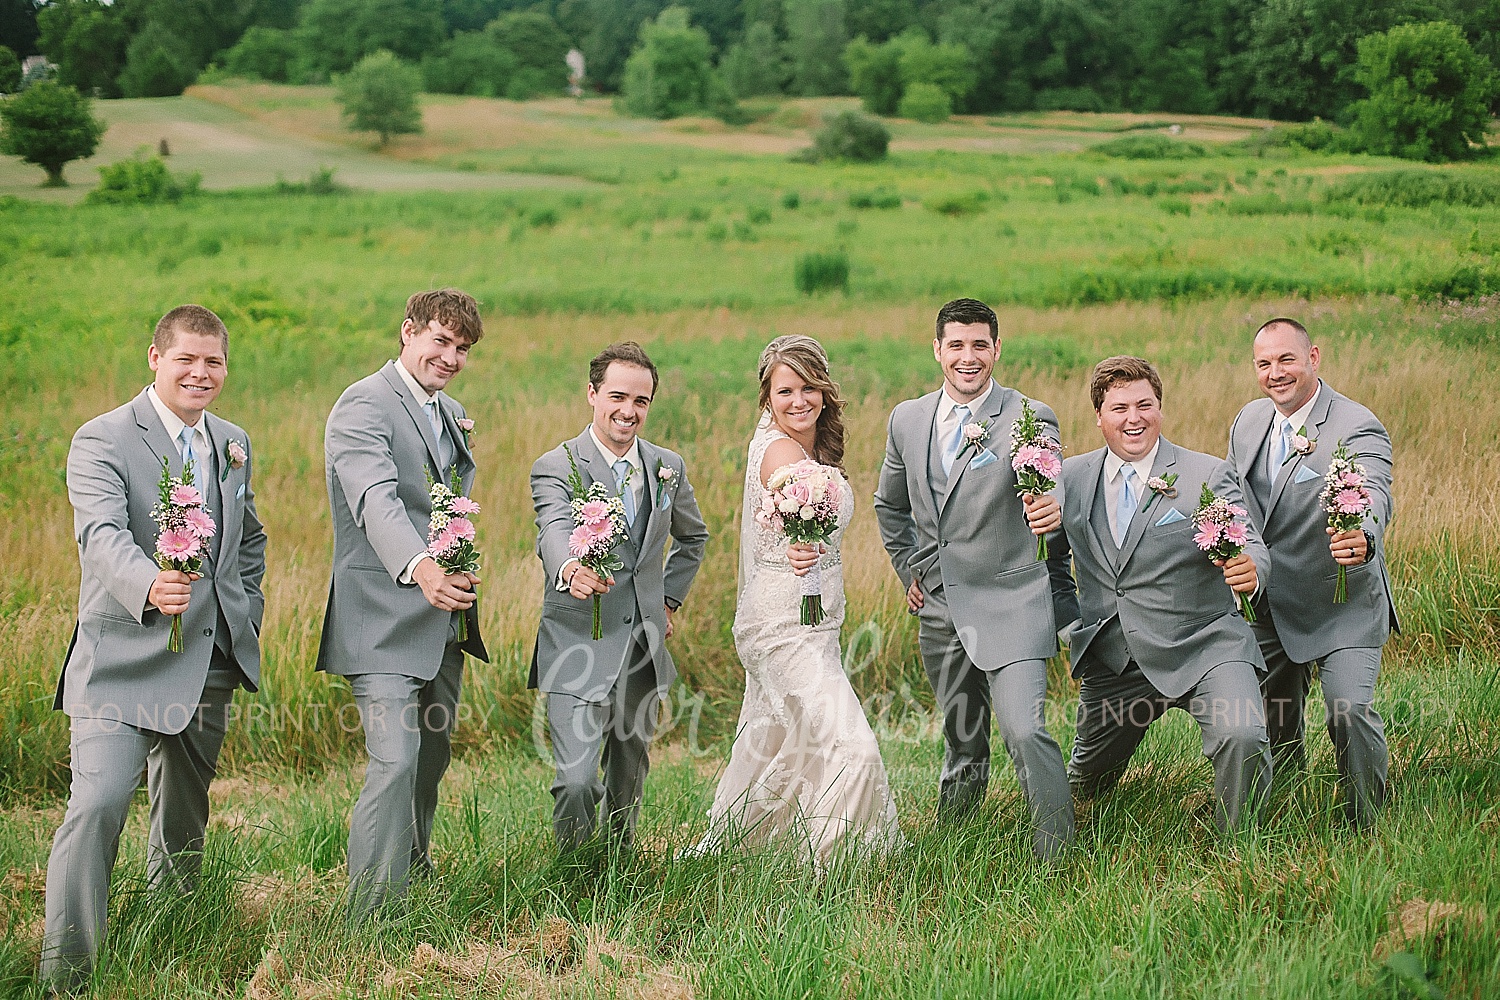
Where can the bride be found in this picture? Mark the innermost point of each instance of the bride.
(805, 764)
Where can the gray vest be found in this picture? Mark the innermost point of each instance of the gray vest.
(1109, 646)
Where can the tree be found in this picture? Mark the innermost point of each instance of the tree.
(380, 95)
(537, 47)
(86, 40)
(10, 71)
(472, 63)
(816, 37)
(49, 124)
(1429, 93)
(875, 74)
(158, 63)
(755, 66)
(263, 53)
(671, 72)
(335, 34)
(925, 102)
(18, 30)
(882, 74)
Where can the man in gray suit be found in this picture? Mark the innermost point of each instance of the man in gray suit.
(392, 622)
(131, 703)
(1158, 628)
(1280, 447)
(603, 695)
(964, 546)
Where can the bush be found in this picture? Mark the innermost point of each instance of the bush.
(879, 198)
(925, 102)
(1418, 189)
(262, 53)
(140, 180)
(1149, 147)
(964, 203)
(49, 125)
(755, 66)
(320, 181)
(1316, 136)
(380, 95)
(671, 72)
(850, 135)
(470, 63)
(1429, 93)
(791, 200)
(818, 272)
(10, 71)
(158, 63)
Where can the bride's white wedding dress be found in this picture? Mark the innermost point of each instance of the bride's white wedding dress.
(805, 764)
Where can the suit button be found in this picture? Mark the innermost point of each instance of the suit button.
(1120, 592)
(627, 619)
(944, 543)
(208, 631)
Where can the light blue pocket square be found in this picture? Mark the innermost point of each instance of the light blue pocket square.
(239, 492)
(666, 500)
(1172, 516)
(1305, 475)
(985, 457)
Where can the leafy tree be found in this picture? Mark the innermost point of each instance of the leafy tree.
(875, 74)
(380, 95)
(614, 28)
(755, 66)
(1304, 51)
(158, 63)
(882, 74)
(948, 67)
(925, 102)
(263, 53)
(49, 124)
(816, 37)
(671, 73)
(471, 63)
(10, 71)
(333, 35)
(18, 30)
(537, 47)
(86, 39)
(878, 20)
(1429, 93)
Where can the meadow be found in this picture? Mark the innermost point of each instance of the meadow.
(686, 239)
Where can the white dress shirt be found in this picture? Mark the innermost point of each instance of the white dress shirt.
(1297, 421)
(1114, 481)
(202, 450)
(947, 412)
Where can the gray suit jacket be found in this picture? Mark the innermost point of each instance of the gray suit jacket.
(566, 660)
(1157, 599)
(118, 666)
(971, 538)
(1290, 517)
(377, 447)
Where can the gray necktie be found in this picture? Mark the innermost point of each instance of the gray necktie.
(950, 453)
(445, 454)
(1281, 449)
(622, 481)
(1125, 508)
(190, 458)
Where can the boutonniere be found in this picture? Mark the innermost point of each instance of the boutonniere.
(976, 433)
(1165, 486)
(466, 425)
(666, 478)
(1301, 444)
(234, 458)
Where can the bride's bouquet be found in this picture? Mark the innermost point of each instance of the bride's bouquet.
(802, 503)
(599, 525)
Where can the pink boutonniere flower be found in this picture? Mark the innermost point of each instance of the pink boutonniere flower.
(1302, 445)
(1161, 486)
(666, 478)
(466, 425)
(234, 458)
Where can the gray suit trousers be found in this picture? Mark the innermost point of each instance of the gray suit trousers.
(1016, 694)
(615, 734)
(1356, 729)
(107, 759)
(1114, 712)
(408, 726)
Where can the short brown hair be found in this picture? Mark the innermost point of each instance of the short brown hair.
(452, 308)
(965, 312)
(627, 352)
(1122, 369)
(188, 319)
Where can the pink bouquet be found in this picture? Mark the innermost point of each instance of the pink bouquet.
(802, 502)
(1036, 459)
(1346, 498)
(1222, 534)
(599, 519)
(184, 530)
(450, 536)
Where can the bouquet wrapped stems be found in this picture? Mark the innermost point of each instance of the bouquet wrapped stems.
(812, 597)
(1346, 498)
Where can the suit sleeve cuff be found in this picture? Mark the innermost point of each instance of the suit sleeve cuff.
(672, 603)
(406, 576)
(560, 586)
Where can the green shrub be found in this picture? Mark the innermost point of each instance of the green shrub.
(758, 215)
(262, 53)
(320, 181)
(1175, 206)
(850, 135)
(140, 181)
(816, 272)
(1266, 204)
(958, 203)
(925, 102)
(1418, 189)
(791, 200)
(543, 218)
(879, 198)
(1149, 147)
(1465, 281)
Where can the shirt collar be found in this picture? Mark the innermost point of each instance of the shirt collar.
(1114, 463)
(948, 404)
(633, 456)
(1298, 420)
(423, 396)
(171, 421)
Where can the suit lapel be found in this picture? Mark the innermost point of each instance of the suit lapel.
(462, 457)
(649, 459)
(1166, 457)
(155, 436)
(1104, 549)
(1318, 416)
(999, 397)
(414, 410)
(231, 504)
(927, 414)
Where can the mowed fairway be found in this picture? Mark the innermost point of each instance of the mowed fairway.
(684, 236)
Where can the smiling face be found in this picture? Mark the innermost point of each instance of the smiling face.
(795, 405)
(1130, 419)
(433, 354)
(1286, 366)
(620, 402)
(967, 355)
(189, 373)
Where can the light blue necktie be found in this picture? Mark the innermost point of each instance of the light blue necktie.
(1282, 448)
(445, 454)
(622, 481)
(190, 458)
(1125, 509)
(950, 453)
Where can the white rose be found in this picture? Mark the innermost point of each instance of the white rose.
(787, 505)
(808, 513)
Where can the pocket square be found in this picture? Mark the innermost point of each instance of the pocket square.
(1172, 516)
(985, 457)
(1305, 475)
(239, 492)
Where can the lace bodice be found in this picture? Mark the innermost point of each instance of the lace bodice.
(768, 548)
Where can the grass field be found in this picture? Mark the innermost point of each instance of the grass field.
(684, 236)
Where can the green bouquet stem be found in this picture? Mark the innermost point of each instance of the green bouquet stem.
(598, 632)
(1341, 588)
(174, 641)
(1041, 548)
(1246, 611)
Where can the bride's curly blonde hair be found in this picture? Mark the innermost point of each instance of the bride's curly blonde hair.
(806, 357)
